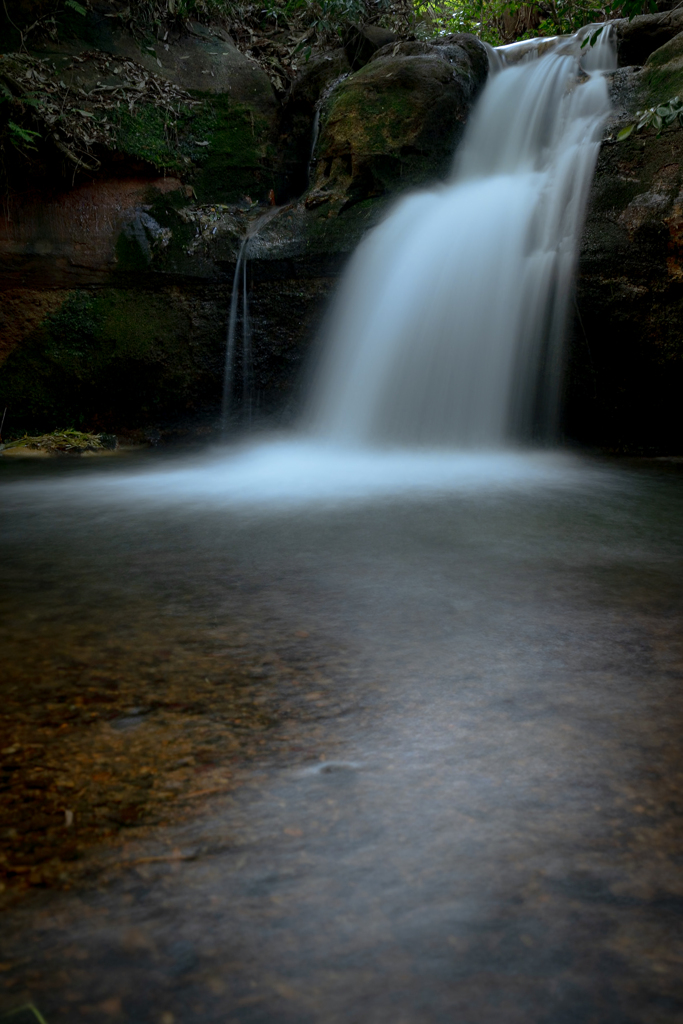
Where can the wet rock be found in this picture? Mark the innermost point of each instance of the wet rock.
(396, 122)
(299, 119)
(625, 371)
(662, 75)
(202, 59)
(362, 43)
(638, 38)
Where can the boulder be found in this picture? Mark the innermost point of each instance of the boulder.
(641, 36)
(227, 135)
(625, 373)
(201, 59)
(362, 43)
(396, 122)
(299, 119)
(662, 76)
(204, 60)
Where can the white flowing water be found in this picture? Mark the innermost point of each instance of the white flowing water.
(240, 279)
(447, 329)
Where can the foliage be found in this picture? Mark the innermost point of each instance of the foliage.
(21, 136)
(279, 32)
(663, 116)
(504, 21)
(150, 118)
(69, 441)
(144, 114)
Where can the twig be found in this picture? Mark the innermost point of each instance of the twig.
(204, 792)
(21, 34)
(161, 859)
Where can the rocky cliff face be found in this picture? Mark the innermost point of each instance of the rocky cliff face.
(625, 374)
(115, 287)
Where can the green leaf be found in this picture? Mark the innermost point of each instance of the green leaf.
(75, 7)
(19, 135)
(625, 132)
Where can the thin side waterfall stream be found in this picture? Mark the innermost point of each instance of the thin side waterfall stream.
(239, 283)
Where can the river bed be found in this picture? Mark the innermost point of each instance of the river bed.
(379, 741)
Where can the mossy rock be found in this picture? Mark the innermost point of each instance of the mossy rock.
(240, 156)
(625, 360)
(109, 358)
(224, 148)
(663, 73)
(397, 121)
(638, 38)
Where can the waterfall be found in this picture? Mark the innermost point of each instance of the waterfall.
(448, 325)
(239, 284)
(230, 346)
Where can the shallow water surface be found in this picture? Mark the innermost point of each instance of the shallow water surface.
(453, 789)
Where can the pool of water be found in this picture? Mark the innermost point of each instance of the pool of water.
(479, 819)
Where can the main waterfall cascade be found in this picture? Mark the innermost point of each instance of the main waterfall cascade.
(444, 346)
(447, 329)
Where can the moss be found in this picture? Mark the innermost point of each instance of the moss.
(663, 73)
(71, 332)
(661, 83)
(373, 121)
(104, 359)
(227, 143)
(673, 50)
(145, 134)
(239, 158)
(148, 133)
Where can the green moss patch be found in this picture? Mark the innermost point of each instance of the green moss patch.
(663, 73)
(661, 83)
(239, 158)
(105, 359)
(223, 147)
(373, 121)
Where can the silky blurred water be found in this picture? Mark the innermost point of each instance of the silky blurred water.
(449, 322)
(494, 666)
